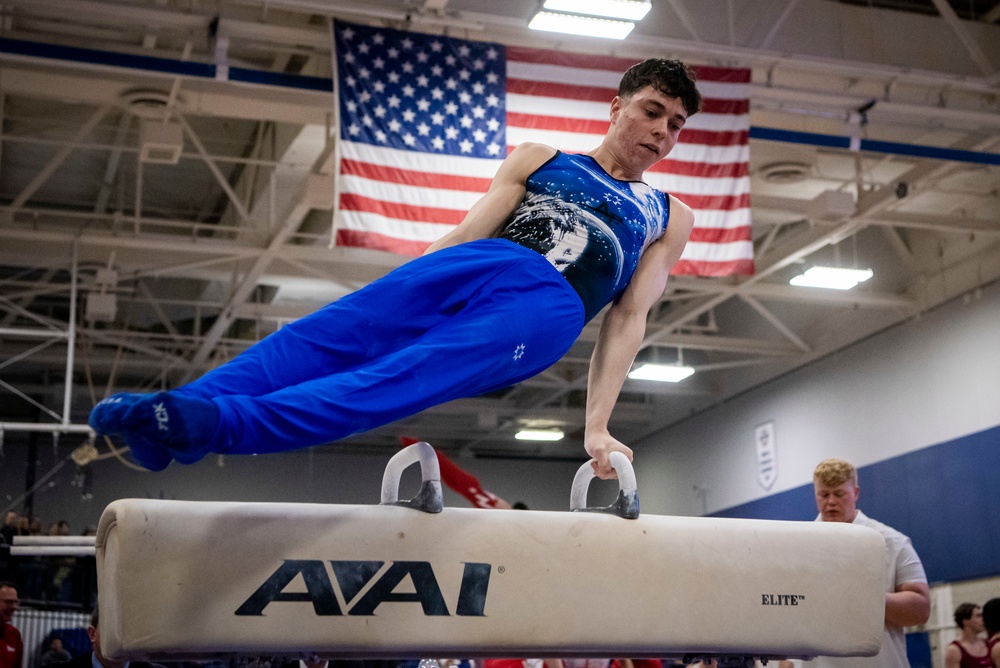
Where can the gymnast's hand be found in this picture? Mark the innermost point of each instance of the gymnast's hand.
(600, 445)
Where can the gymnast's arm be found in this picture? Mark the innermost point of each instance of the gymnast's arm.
(488, 215)
(621, 334)
(909, 605)
(952, 656)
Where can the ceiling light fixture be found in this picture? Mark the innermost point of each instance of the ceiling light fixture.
(834, 278)
(664, 373)
(630, 10)
(575, 24)
(539, 435)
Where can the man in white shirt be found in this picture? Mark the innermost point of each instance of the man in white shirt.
(907, 597)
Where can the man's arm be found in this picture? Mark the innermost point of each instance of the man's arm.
(621, 334)
(909, 605)
(506, 191)
(952, 656)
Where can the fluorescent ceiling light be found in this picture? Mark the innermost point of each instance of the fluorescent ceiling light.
(539, 435)
(832, 277)
(668, 373)
(581, 25)
(630, 10)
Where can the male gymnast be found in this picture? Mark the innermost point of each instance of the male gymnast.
(497, 300)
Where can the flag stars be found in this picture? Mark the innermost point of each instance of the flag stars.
(479, 136)
(364, 73)
(395, 125)
(478, 88)
(379, 63)
(409, 115)
(363, 48)
(478, 112)
(393, 52)
(451, 132)
(450, 60)
(465, 146)
(464, 50)
(424, 130)
(493, 148)
(464, 97)
(378, 87)
(492, 54)
(393, 101)
(422, 57)
(423, 81)
(380, 111)
(408, 67)
(437, 143)
(407, 43)
(381, 136)
(464, 74)
(451, 108)
(409, 90)
(492, 78)
(393, 77)
(437, 93)
(348, 57)
(378, 38)
(437, 70)
(409, 139)
(449, 83)
(437, 118)
(465, 122)
(354, 130)
(347, 33)
(478, 64)
(493, 125)
(493, 100)
(436, 46)
(423, 104)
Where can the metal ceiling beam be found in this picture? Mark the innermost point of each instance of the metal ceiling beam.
(971, 45)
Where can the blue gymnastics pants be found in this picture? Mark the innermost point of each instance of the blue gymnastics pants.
(458, 322)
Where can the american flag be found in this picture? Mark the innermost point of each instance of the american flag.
(426, 120)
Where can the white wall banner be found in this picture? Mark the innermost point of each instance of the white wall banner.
(767, 454)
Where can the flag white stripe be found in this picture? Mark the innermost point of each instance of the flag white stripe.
(362, 221)
(717, 252)
(697, 185)
(581, 143)
(420, 162)
(558, 107)
(720, 220)
(440, 198)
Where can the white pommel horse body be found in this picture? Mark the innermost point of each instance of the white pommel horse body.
(192, 580)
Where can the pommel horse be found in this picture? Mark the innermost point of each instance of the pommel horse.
(406, 579)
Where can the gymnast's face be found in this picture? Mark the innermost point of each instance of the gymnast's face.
(646, 125)
(837, 504)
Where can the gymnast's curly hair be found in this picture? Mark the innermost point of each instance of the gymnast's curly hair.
(671, 77)
(835, 472)
(991, 616)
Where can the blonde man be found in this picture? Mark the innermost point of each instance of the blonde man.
(907, 597)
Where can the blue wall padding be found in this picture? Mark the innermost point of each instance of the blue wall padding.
(945, 497)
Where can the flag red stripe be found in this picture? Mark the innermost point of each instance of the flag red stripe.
(398, 210)
(703, 268)
(714, 202)
(599, 127)
(710, 105)
(615, 64)
(381, 242)
(732, 170)
(410, 177)
(720, 235)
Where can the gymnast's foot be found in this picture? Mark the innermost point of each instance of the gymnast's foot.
(159, 427)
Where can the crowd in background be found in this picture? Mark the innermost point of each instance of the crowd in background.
(71, 581)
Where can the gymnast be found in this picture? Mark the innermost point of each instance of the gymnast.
(495, 301)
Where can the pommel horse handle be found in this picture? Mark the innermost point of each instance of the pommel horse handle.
(429, 499)
(627, 503)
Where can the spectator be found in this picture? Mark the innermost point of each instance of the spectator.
(96, 658)
(11, 646)
(968, 650)
(907, 596)
(991, 621)
(56, 652)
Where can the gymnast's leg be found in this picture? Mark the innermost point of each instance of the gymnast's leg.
(376, 323)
